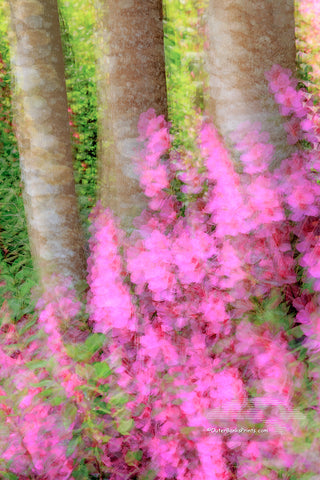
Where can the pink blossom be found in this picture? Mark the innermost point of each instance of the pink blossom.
(290, 101)
(159, 141)
(193, 180)
(293, 128)
(149, 123)
(154, 180)
(278, 78)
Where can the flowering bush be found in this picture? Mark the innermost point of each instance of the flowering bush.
(198, 318)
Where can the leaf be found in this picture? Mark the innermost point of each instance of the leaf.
(78, 352)
(102, 370)
(74, 442)
(85, 371)
(26, 287)
(84, 351)
(125, 426)
(34, 364)
(94, 342)
(118, 400)
(149, 475)
(8, 476)
(15, 305)
(296, 332)
(100, 438)
(71, 411)
(27, 326)
(57, 401)
(31, 339)
(81, 473)
(53, 394)
(308, 286)
(44, 383)
(89, 388)
(102, 408)
(132, 457)
(104, 388)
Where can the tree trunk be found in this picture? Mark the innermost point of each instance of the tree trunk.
(246, 37)
(42, 128)
(131, 80)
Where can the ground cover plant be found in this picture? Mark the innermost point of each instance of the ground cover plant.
(208, 309)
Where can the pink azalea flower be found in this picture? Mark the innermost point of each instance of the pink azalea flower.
(278, 78)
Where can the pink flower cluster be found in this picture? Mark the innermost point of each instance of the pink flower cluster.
(253, 234)
(34, 438)
(297, 183)
(61, 306)
(112, 311)
(298, 104)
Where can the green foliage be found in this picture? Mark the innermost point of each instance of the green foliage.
(149, 475)
(294, 476)
(125, 425)
(103, 405)
(84, 351)
(16, 269)
(81, 472)
(273, 312)
(77, 20)
(132, 457)
(102, 370)
(8, 476)
(183, 41)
